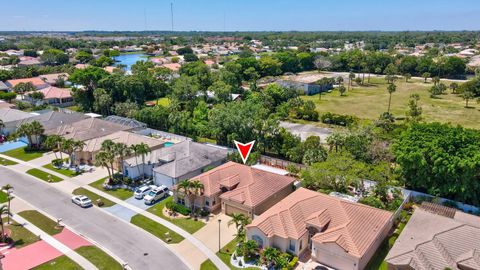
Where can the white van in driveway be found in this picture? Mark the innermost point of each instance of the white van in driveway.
(156, 194)
(140, 192)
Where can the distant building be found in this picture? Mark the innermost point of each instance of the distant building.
(36, 81)
(305, 88)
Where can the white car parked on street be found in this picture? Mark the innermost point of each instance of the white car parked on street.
(141, 191)
(156, 194)
(82, 200)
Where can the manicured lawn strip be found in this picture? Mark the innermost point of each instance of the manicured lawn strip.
(62, 262)
(44, 175)
(68, 173)
(99, 258)
(156, 229)
(21, 154)
(188, 224)
(93, 196)
(21, 236)
(208, 265)
(377, 261)
(120, 193)
(42, 222)
(7, 162)
(226, 252)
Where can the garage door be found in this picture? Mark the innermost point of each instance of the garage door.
(229, 209)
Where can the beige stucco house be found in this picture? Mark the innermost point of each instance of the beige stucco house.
(338, 233)
(237, 188)
(93, 146)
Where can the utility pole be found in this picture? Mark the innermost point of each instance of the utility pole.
(171, 13)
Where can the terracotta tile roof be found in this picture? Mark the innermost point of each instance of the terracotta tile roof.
(438, 209)
(352, 226)
(55, 92)
(247, 185)
(36, 81)
(431, 241)
(172, 66)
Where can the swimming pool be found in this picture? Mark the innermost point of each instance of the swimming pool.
(6, 146)
(168, 144)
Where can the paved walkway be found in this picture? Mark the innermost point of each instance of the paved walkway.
(41, 252)
(195, 241)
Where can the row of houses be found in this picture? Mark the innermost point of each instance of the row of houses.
(47, 85)
(338, 233)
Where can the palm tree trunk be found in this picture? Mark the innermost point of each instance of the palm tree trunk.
(143, 167)
(3, 230)
(389, 102)
(138, 168)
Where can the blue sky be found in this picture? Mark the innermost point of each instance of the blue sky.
(246, 15)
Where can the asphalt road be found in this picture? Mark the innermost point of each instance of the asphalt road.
(136, 247)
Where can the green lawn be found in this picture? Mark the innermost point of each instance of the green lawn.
(45, 176)
(377, 261)
(93, 196)
(7, 162)
(156, 229)
(42, 222)
(369, 102)
(21, 236)
(99, 258)
(207, 140)
(68, 173)
(21, 154)
(120, 193)
(208, 265)
(3, 197)
(62, 262)
(226, 252)
(188, 224)
(164, 101)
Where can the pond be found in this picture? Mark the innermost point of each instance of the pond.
(129, 59)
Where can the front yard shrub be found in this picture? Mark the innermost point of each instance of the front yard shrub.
(57, 163)
(338, 119)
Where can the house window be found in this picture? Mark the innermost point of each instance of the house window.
(207, 203)
(300, 244)
(291, 245)
(181, 201)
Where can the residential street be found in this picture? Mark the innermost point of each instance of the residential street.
(138, 248)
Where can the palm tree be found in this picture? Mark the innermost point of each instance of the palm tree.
(68, 147)
(270, 255)
(7, 189)
(55, 143)
(142, 150)
(240, 221)
(122, 151)
(191, 189)
(77, 146)
(3, 211)
(453, 86)
(23, 88)
(104, 159)
(339, 80)
(435, 80)
(425, 76)
(37, 131)
(391, 88)
(351, 76)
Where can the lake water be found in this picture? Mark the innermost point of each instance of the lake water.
(129, 59)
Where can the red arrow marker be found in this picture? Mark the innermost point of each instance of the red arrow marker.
(244, 149)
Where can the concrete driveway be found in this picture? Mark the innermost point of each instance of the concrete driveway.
(140, 249)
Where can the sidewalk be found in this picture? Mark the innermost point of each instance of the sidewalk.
(76, 183)
(84, 263)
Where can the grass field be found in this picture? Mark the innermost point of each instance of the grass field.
(156, 229)
(93, 196)
(370, 101)
(188, 224)
(62, 262)
(120, 193)
(3, 197)
(20, 235)
(21, 154)
(42, 222)
(45, 176)
(68, 173)
(99, 258)
(164, 101)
